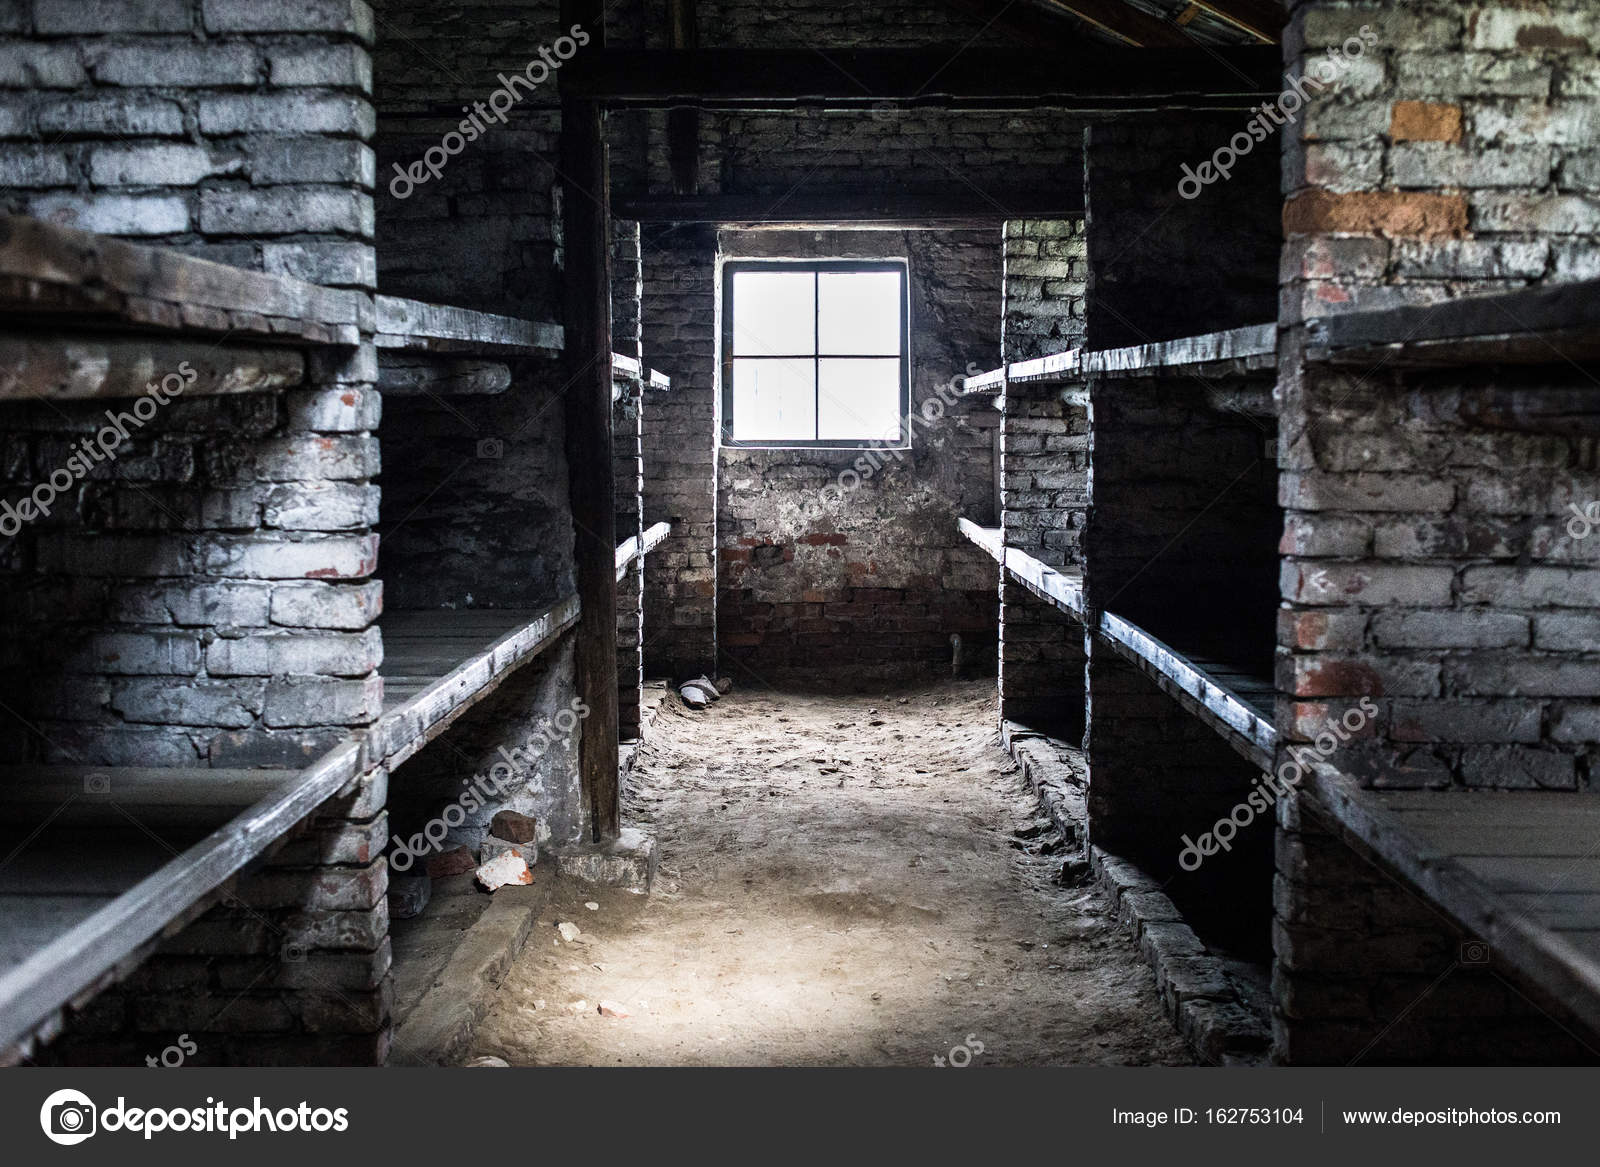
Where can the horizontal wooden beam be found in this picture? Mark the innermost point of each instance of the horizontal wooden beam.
(1098, 79)
(408, 376)
(1252, 348)
(990, 539)
(952, 204)
(1544, 325)
(65, 366)
(77, 278)
(413, 326)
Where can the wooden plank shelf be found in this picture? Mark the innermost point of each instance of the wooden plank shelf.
(413, 326)
(76, 366)
(633, 547)
(82, 912)
(1046, 369)
(440, 663)
(1519, 870)
(1062, 587)
(1237, 350)
(994, 381)
(1546, 325)
(1236, 704)
(77, 279)
(626, 368)
(991, 539)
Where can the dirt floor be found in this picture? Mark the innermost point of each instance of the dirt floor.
(844, 881)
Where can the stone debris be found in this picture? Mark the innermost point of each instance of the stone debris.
(514, 827)
(488, 1062)
(612, 1009)
(493, 847)
(578, 1007)
(569, 931)
(457, 861)
(694, 696)
(505, 868)
(592, 906)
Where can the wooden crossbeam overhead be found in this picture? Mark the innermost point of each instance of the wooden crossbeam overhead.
(911, 207)
(1262, 19)
(1099, 79)
(1129, 25)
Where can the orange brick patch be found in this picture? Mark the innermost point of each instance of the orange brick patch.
(1424, 121)
(1409, 213)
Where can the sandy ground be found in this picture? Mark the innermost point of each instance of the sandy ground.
(844, 881)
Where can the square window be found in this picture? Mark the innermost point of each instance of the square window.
(815, 354)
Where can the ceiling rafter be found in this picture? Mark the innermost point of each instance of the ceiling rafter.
(1127, 24)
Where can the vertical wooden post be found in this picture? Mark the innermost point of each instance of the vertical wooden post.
(586, 233)
(683, 125)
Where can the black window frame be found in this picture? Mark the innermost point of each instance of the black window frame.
(817, 267)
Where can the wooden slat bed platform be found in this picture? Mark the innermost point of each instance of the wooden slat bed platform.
(1520, 870)
(96, 863)
(80, 279)
(438, 664)
(1235, 703)
(417, 327)
(80, 908)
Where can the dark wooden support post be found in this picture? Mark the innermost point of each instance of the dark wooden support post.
(586, 222)
(683, 124)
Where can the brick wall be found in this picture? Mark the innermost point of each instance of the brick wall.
(1427, 566)
(1044, 471)
(866, 584)
(680, 457)
(1161, 265)
(206, 599)
(1182, 541)
(627, 430)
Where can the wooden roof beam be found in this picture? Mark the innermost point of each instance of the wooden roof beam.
(1129, 25)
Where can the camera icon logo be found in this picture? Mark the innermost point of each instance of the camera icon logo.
(68, 1117)
(97, 783)
(292, 953)
(1474, 952)
(491, 448)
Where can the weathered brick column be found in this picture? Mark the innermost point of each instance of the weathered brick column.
(1428, 569)
(1044, 475)
(680, 451)
(627, 415)
(207, 598)
(1170, 534)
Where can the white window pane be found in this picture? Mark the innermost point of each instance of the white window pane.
(859, 400)
(774, 313)
(859, 312)
(773, 400)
